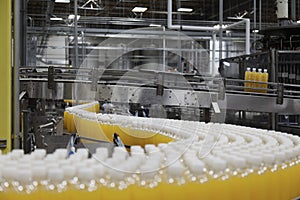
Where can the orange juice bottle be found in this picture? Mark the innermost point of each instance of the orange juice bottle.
(253, 78)
(258, 78)
(264, 78)
(248, 77)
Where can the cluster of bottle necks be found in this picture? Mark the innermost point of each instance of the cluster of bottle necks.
(256, 81)
(261, 164)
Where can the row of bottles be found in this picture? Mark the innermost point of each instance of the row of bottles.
(203, 158)
(256, 81)
(157, 172)
(69, 122)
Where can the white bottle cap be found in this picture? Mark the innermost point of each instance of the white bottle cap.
(24, 176)
(254, 69)
(280, 157)
(85, 174)
(219, 164)
(99, 171)
(9, 173)
(116, 174)
(39, 154)
(83, 152)
(17, 154)
(90, 162)
(39, 173)
(10, 163)
(55, 175)
(162, 146)
(248, 68)
(38, 163)
(61, 153)
(238, 162)
(120, 152)
(259, 70)
(99, 157)
(148, 171)
(265, 70)
(69, 172)
(149, 147)
(64, 163)
(254, 160)
(136, 148)
(195, 166)
(175, 170)
(52, 165)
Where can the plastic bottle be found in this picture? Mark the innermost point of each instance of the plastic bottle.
(248, 77)
(258, 78)
(265, 77)
(253, 78)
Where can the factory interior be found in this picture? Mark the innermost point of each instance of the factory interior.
(152, 99)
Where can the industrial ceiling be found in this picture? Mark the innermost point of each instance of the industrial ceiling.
(104, 13)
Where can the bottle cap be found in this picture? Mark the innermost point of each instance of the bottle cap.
(149, 147)
(69, 172)
(24, 176)
(248, 68)
(99, 171)
(116, 174)
(265, 70)
(9, 173)
(39, 154)
(259, 70)
(195, 166)
(55, 175)
(84, 153)
(85, 174)
(39, 173)
(175, 170)
(254, 69)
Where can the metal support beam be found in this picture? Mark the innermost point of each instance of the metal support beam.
(5, 73)
(75, 34)
(18, 46)
(221, 29)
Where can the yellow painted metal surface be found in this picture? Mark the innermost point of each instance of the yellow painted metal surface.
(5, 72)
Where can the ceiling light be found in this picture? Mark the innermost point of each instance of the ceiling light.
(298, 21)
(56, 18)
(255, 31)
(154, 25)
(139, 9)
(72, 17)
(218, 26)
(62, 1)
(185, 9)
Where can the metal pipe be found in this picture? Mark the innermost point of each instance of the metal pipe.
(164, 51)
(5, 72)
(179, 27)
(293, 10)
(170, 11)
(247, 45)
(259, 14)
(247, 22)
(75, 34)
(254, 18)
(214, 37)
(221, 29)
(17, 63)
(83, 47)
